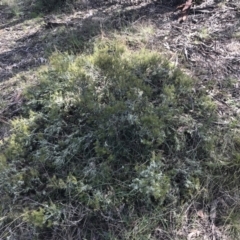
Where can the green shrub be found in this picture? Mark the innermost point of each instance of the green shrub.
(113, 130)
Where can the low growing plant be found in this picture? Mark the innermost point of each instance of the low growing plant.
(105, 140)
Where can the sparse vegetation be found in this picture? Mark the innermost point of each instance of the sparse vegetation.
(13, 7)
(117, 142)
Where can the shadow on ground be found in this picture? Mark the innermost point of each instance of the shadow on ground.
(71, 32)
(188, 42)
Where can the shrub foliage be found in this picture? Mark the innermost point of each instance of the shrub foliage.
(106, 140)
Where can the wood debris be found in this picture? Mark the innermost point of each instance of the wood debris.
(184, 8)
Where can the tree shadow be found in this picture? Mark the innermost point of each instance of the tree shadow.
(74, 33)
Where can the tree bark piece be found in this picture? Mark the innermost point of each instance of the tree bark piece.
(184, 8)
